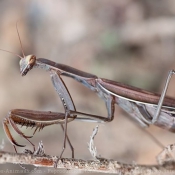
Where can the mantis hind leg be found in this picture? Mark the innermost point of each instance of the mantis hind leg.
(159, 106)
(109, 101)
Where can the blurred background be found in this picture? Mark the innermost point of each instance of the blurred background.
(128, 41)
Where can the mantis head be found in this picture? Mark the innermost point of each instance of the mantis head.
(26, 64)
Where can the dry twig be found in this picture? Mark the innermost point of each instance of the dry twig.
(40, 159)
(102, 165)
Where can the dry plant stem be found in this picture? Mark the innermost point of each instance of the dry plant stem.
(105, 166)
(91, 146)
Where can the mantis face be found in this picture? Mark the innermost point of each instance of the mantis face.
(26, 64)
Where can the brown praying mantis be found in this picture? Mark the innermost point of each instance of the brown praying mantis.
(146, 107)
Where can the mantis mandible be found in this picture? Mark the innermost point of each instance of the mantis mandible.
(146, 107)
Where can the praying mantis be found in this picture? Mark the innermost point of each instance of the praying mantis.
(145, 107)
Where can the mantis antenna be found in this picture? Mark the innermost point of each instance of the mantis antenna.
(12, 53)
(20, 39)
(20, 45)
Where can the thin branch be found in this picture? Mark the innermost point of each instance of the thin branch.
(40, 159)
(103, 165)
